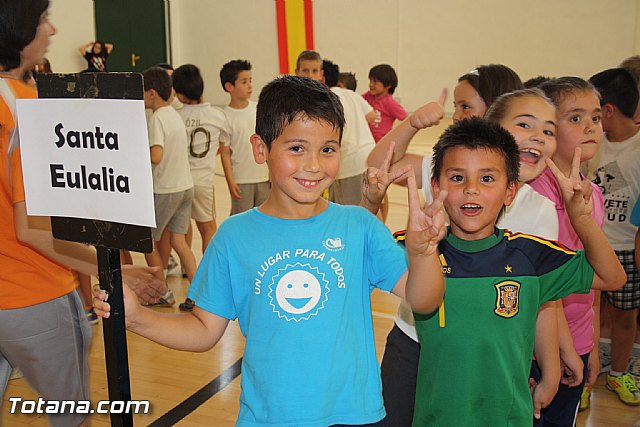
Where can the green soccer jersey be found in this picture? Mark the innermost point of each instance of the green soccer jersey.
(476, 349)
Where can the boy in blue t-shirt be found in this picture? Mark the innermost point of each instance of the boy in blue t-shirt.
(297, 273)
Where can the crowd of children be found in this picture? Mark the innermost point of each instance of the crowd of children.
(499, 272)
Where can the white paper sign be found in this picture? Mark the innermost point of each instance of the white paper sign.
(86, 158)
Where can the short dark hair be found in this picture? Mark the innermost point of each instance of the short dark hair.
(475, 133)
(498, 109)
(229, 71)
(158, 79)
(308, 55)
(557, 89)
(165, 65)
(385, 74)
(348, 80)
(187, 81)
(331, 72)
(288, 98)
(617, 87)
(536, 81)
(19, 22)
(492, 80)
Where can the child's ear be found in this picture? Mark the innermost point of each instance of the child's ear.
(435, 188)
(182, 98)
(260, 150)
(228, 87)
(608, 110)
(512, 189)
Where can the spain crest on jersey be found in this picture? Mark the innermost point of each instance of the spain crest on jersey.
(507, 300)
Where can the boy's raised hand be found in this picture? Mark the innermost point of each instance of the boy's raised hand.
(103, 309)
(377, 181)
(576, 192)
(429, 114)
(426, 225)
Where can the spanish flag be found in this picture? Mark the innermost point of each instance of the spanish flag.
(295, 31)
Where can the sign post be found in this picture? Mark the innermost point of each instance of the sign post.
(96, 197)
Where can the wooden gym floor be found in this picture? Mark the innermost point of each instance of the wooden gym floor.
(170, 379)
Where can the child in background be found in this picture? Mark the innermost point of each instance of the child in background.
(476, 90)
(172, 182)
(206, 131)
(476, 349)
(347, 80)
(579, 125)
(632, 65)
(297, 273)
(357, 141)
(383, 82)
(616, 170)
(309, 64)
(96, 54)
(248, 181)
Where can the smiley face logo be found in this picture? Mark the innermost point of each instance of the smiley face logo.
(298, 292)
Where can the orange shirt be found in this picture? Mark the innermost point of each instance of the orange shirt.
(26, 276)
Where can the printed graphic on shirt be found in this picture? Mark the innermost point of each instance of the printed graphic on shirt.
(298, 292)
(507, 300)
(611, 182)
(298, 282)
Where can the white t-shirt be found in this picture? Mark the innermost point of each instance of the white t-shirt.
(172, 174)
(206, 129)
(357, 140)
(530, 213)
(241, 124)
(616, 170)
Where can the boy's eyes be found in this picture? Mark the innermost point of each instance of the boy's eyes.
(549, 133)
(524, 125)
(296, 148)
(487, 178)
(575, 119)
(597, 119)
(457, 178)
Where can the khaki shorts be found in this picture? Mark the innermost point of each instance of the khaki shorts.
(49, 343)
(252, 195)
(173, 212)
(347, 191)
(203, 208)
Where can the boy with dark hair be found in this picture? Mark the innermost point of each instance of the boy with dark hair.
(616, 170)
(206, 132)
(297, 273)
(632, 65)
(495, 281)
(248, 181)
(357, 141)
(172, 182)
(309, 64)
(347, 80)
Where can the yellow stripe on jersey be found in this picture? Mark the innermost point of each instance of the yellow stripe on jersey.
(553, 245)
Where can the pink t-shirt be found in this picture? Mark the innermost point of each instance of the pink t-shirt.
(578, 308)
(387, 111)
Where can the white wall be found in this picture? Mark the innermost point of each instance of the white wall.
(429, 42)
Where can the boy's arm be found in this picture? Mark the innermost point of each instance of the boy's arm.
(195, 331)
(424, 289)
(225, 157)
(157, 152)
(425, 116)
(83, 49)
(377, 181)
(548, 356)
(109, 47)
(608, 273)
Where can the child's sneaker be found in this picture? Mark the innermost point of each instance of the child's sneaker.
(173, 268)
(167, 300)
(92, 317)
(187, 305)
(625, 387)
(634, 367)
(585, 399)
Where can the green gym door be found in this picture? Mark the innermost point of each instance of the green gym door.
(136, 28)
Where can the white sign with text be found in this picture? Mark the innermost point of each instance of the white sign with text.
(86, 158)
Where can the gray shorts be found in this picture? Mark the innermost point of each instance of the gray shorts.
(49, 343)
(347, 191)
(173, 212)
(627, 297)
(252, 195)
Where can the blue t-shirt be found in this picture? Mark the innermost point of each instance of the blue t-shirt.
(635, 215)
(300, 290)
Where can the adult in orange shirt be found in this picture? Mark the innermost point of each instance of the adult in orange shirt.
(43, 328)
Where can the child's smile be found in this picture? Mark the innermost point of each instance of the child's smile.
(477, 184)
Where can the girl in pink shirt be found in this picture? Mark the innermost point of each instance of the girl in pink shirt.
(382, 83)
(578, 121)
